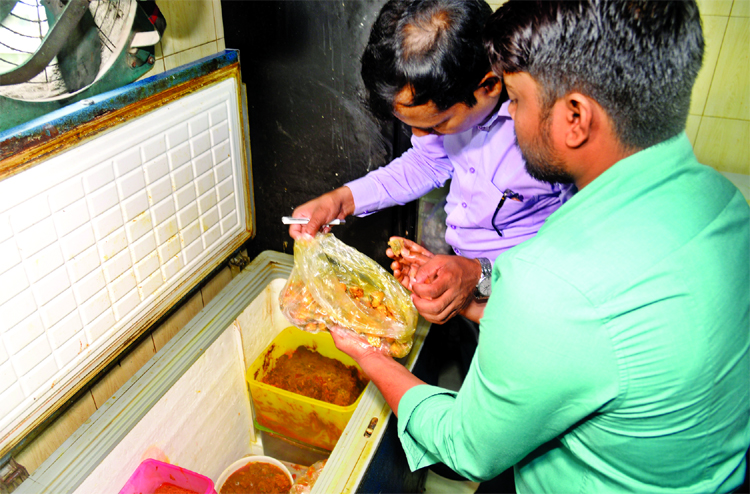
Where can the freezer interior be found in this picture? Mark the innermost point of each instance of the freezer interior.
(190, 404)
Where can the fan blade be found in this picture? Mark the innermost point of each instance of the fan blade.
(80, 57)
(52, 43)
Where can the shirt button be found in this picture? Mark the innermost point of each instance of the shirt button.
(453, 226)
(472, 170)
(463, 204)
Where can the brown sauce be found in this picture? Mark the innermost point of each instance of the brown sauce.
(173, 489)
(257, 478)
(310, 374)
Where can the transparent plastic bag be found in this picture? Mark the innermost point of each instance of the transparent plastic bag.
(305, 483)
(333, 284)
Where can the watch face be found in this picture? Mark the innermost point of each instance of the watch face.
(485, 287)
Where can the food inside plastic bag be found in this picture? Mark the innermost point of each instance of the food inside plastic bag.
(333, 284)
(305, 483)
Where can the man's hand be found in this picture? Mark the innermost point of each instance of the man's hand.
(444, 286)
(407, 261)
(337, 204)
(391, 378)
(353, 345)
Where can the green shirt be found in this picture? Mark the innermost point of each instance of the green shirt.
(614, 352)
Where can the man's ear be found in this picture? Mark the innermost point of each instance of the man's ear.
(492, 84)
(579, 119)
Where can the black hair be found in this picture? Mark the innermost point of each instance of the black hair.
(637, 58)
(433, 46)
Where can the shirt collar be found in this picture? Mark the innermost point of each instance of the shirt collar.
(502, 112)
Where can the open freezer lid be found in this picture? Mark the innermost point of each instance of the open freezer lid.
(111, 211)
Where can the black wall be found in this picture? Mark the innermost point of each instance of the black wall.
(309, 132)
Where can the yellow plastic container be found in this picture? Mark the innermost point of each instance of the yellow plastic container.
(309, 421)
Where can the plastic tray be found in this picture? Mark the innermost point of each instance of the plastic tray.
(294, 416)
(151, 474)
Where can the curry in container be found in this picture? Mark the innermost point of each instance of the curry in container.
(308, 373)
(257, 478)
(304, 388)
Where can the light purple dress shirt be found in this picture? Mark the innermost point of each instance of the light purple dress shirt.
(481, 163)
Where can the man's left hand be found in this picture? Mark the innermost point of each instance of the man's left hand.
(444, 286)
(408, 260)
(351, 344)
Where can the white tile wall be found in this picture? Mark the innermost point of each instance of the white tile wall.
(93, 238)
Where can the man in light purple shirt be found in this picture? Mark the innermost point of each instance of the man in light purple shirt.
(426, 65)
(481, 163)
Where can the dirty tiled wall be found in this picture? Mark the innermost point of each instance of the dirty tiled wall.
(194, 30)
(719, 120)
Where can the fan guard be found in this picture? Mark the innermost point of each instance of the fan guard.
(78, 60)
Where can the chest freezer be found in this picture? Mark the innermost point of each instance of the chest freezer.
(111, 212)
(190, 402)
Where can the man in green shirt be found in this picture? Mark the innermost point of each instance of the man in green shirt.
(614, 352)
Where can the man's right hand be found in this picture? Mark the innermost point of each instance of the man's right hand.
(337, 204)
(444, 286)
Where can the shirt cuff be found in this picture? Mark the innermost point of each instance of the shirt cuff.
(365, 194)
(416, 454)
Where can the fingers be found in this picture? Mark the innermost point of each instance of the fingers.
(295, 231)
(318, 218)
(352, 344)
(415, 248)
(337, 204)
(435, 311)
(443, 286)
(403, 278)
(428, 271)
(342, 341)
(407, 257)
(316, 214)
(405, 281)
(416, 259)
(439, 309)
(413, 269)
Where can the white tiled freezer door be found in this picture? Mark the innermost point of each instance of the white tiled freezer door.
(100, 236)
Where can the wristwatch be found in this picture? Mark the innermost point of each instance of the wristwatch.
(484, 286)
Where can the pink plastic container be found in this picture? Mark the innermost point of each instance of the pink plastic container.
(151, 474)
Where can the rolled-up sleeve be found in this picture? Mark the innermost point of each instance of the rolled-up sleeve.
(416, 454)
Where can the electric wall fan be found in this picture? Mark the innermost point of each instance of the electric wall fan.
(55, 52)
